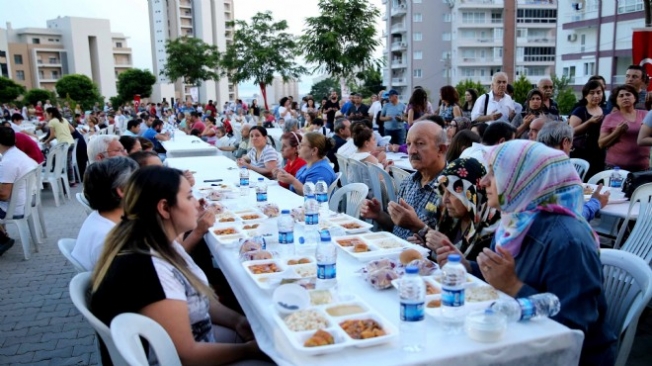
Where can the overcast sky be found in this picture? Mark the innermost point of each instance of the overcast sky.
(131, 18)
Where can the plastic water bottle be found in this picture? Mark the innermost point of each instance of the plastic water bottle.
(321, 194)
(244, 181)
(311, 226)
(261, 190)
(326, 255)
(528, 308)
(308, 190)
(412, 293)
(452, 294)
(286, 234)
(616, 179)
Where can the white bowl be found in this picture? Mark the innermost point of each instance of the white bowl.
(290, 297)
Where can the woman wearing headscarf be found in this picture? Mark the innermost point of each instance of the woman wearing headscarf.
(543, 244)
(467, 222)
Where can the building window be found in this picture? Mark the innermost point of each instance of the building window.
(53, 60)
(20, 75)
(472, 17)
(18, 59)
(536, 16)
(417, 36)
(41, 74)
(416, 73)
(118, 45)
(446, 36)
(55, 74)
(448, 17)
(589, 68)
(417, 18)
(418, 55)
(629, 6)
(36, 40)
(468, 72)
(416, 1)
(496, 17)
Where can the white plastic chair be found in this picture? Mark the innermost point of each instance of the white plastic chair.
(128, 328)
(79, 292)
(75, 166)
(65, 247)
(37, 204)
(582, 166)
(399, 175)
(55, 172)
(25, 224)
(357, 172)
(381, 182)
(604, 177)
(82, 200)
(333, 187)
(643, 194)
(628, 289)
(343, 163)
(110, 129)
(352, 194)
(639, 242)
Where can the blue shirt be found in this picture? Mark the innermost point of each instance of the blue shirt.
(320, 169)
(418, 197)
(346, 107)
(390, 110)
(150, 134)
(590, 208)
(185, 109)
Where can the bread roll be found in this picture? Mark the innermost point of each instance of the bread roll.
(261, 254)
(408, 255)
(360, 247)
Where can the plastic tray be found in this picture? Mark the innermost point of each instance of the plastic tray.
(343, 220)
(263, 280)
(377, 245)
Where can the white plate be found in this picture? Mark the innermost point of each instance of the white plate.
(229, 240)
(362, 226)
(266, 281)
(375, 251)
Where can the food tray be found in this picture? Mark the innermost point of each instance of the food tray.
(246, 216)
(229, 240)
(263, 280)
(377, 244)
(357, 226)
(342, 339)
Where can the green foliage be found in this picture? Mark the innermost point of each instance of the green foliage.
(132, 82)
(564, 94)
(260, 50)
(522, 86)
(342, 38)
(38, 95)
(371, 81)
(9, 90)
(79, 88)
(117, 101)
(323, 88)
(192, 59)
(462, 86)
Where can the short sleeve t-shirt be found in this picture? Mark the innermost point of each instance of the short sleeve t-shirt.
(27, 145)
(150, 134)
(292, 167)
(90, 240)
(391, 110)
(14, 165)
(626, 153)
(61, 130)
(312, 174)
(648, 119)
(268, 154)
(199, 126)
(330, 116)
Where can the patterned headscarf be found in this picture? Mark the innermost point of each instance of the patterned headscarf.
(530, 178)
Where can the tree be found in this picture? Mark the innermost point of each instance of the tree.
(522, 86)
(323, 88)
(462, 86)
(38, 95)
(564, 94)
(342, 39)
(79, 88)
(371, 81)
(191, 59)
(9, 90)
(260, 50)
(132, 82)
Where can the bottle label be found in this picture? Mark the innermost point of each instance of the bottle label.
(286, 238)
(616, 182)
(261, 196)
(412, 312)
(244, 182)
(527, 308)
(322, 197)
(452, 297)
(312, 219)
(326, 271)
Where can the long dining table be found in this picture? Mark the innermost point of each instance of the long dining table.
(182, 145)
(537, 342)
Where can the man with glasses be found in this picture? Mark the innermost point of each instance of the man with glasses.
(103, 147)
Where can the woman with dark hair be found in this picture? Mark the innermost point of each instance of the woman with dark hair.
(459, 143)
(261, 158)
(145, 144)
(285, 110)
(209, 135)
(143, 269)
(254, 109)
(131, 144)
(533, 108)
(620, 129)
(317, 125)
(448, 107)
(310, 106)
(470, 96)
(417, 106)
(313, 149)
(457, 124)
(586, 121)
(290, 151)
(61, 130)
(365, 142)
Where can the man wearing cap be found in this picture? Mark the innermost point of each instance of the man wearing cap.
(358, 110)
(392, 116)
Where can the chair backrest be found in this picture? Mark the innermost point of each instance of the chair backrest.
(638, 242)
(28, 181)
(357, 172)
(628, 289)
(65, 247)
(642, 194)
(51, 160)
(582, 166)
(353, 193)
(79, 290)
(110, 129)
(127, 328)
(74, 152)
(399, 175)
(604, 176)
(343, 163)
(381, 182)
(39, 185)
(333, 185)
(61, 162)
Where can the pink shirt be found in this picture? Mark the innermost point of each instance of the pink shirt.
(626, 153)
(199, 126)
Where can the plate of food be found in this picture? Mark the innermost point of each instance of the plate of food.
(351, 225)
(267, 274)
(250, 216)
(228, 235)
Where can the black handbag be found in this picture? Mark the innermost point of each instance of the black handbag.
(635, 180)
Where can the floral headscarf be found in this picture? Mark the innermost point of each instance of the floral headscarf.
(530, 178)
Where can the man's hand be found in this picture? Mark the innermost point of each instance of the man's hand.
(496, 116)
(404, 215)
(370, 209)
(603, 198)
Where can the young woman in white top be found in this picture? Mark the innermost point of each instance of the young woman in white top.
(285, 110)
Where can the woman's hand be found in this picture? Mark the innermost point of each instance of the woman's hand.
(528, 119)
(284, 177)
(242, 163)
(498, 269)
(436, 240)
(243, 329)
(595, 119)
(447, 249)
(622, 127)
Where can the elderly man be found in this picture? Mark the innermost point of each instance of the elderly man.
(548, 104)
(495, 105)
(427, 146)
(559, 135)
(535, 126)
(103, 147)
(104, 185)
(14, 165)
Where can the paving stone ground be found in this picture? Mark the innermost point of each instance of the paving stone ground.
(39, 325)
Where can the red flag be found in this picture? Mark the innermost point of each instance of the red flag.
(136, 102)
(642, 50)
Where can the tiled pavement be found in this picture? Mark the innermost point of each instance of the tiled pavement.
(40, 326)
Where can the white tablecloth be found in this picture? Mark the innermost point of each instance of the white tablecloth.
(183, 145)
(400, 160)
(539, 342)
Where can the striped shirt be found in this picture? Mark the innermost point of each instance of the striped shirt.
(268, 154)
(418, 197)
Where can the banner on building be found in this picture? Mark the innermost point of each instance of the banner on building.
(641, 50)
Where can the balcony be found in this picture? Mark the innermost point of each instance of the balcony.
(468, 61)
(583, 19)
(399, 81)
(399, 64)
(122, 50)
(398, 28)
(480, 4)
(484, 23)
(186, 14)
(537, 58)
(399, 46)
(50, 63)
(185, 4)
(480, 42)
(537, 3)
(399, 10)
(536, 40)
(122, 65)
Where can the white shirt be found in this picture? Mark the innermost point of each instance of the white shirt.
(90, 240)
(284, 113)
(348, 149)
(504, 106)
(478, 152)
(374, 109)
(14, 165)
(15, 127)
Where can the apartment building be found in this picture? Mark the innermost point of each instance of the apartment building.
(595, 37)
(39, 57)
(418, 43)
(204, 19)
(513, 36)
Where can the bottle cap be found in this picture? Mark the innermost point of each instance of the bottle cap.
(310, 196)
(325, 235)
(454, 258)
(302, 240)
(285, 212)
(412, 269)
(261, 179)
(616, 168)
